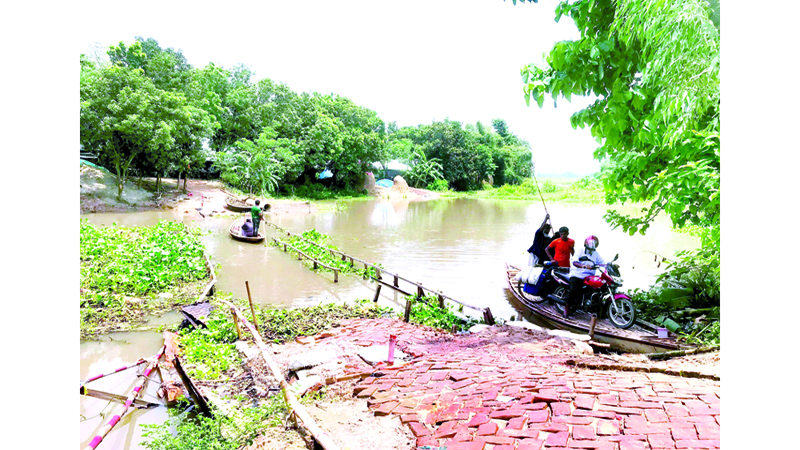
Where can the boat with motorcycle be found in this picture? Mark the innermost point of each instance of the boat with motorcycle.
(543, 290)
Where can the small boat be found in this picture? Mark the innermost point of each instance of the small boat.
(641, 337)
(236, 232)
(234, 204)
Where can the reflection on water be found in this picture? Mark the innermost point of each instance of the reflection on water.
(458, 246)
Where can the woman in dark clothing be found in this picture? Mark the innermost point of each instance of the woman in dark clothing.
(541, 240)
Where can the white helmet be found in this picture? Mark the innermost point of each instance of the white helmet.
(591, 242)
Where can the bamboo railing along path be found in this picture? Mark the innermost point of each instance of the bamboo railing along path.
(487, 313)
(315, 261)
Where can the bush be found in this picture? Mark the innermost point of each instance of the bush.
(438, 186)
(218, 433)
(426, 311)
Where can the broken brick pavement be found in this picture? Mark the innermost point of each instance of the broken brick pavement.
(509, 388)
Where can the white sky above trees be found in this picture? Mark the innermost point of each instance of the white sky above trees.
(412, 62)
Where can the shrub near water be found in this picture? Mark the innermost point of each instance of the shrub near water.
(426, 311)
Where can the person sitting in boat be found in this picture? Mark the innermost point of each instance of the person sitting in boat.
(541, 239)
(247, 228)
(559, 250)
(582, 266)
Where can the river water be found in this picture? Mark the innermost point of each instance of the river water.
(456, 246)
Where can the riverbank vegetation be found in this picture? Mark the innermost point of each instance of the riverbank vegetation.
(147, 112)
(314, 244)
(426, 311)
(552, 190)
(129, 273)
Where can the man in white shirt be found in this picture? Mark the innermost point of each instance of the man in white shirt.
(582, 267)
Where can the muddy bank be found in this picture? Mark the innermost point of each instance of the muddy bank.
(202, 198)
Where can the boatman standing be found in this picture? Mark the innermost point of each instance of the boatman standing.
(541, 239)
(255, 211)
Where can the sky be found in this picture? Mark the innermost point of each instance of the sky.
(412, 62)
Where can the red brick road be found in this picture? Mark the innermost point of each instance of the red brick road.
(505, 390)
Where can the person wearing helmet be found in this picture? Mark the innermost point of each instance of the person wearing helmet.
(582, 266)
(562, 248)
(541, 239)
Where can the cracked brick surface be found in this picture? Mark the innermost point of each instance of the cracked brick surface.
(509, 389)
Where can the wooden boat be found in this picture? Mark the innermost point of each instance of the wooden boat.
(235, 204)
(641, 337)
(236, 232)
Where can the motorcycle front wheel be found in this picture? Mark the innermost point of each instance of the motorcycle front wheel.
(621, 313)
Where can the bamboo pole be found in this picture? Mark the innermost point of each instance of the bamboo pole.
(97, 377)
(252, 309)
(236, 322)
(377, 293)
(198, 399)
(115, 398)
(131, 397)
(305, 419)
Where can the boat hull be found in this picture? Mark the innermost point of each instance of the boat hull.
(642, 337)
(235, 232)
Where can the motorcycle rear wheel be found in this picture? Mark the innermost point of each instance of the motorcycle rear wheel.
(621, 313)
(560, 292)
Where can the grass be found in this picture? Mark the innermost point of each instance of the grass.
(563, 190)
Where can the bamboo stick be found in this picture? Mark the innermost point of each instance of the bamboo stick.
(377, 293)
(115, 398)
(305, 419)
(131, 397)
(252, 309)
(236, 323)
(97, 377)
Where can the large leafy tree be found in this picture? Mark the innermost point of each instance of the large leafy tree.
(654, 67)
(125, 117)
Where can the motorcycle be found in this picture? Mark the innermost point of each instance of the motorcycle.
(598, 295)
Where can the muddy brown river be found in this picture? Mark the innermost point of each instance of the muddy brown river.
(457, 246)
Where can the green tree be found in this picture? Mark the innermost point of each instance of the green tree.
(259, 166)
(654, 67)
(124, 117)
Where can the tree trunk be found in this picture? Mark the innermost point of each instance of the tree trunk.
(158, 182)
